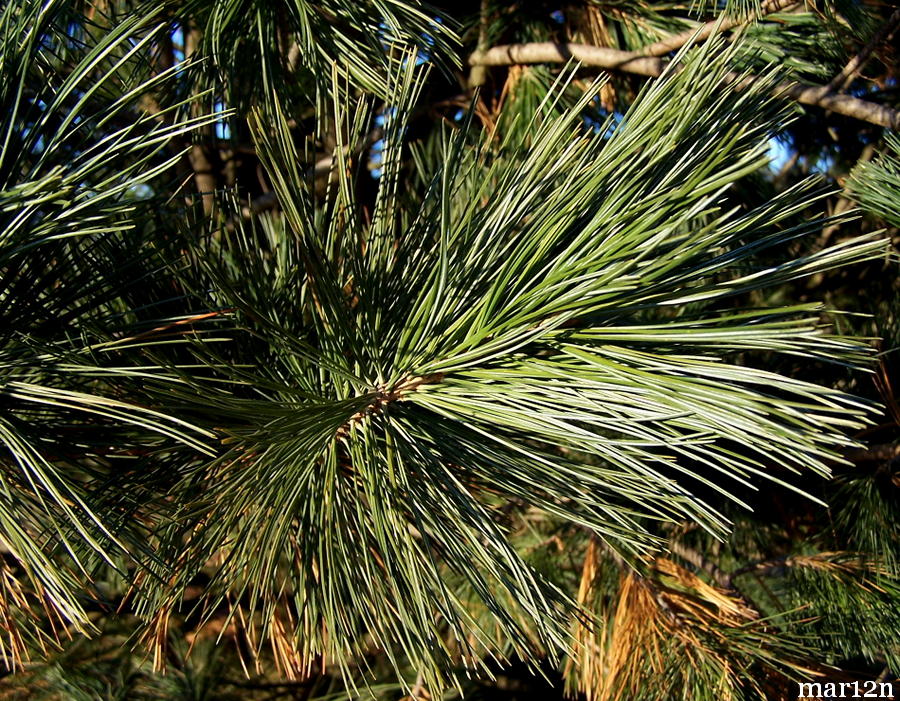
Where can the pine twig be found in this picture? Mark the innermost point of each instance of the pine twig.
(843, 79)
(696, 559)
(418, 692)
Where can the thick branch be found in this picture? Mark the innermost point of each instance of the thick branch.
(822, 96)
(633, 62)
(201, 156)
(550, 52)
(875, 453)
(323, 166)
(478, 74)
(204, 175)
(269, 200)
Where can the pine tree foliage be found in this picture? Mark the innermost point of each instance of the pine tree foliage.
(697, 641)
(73, 161)
(545, 376)
(300, 43)
(582, 271)
(876, 185)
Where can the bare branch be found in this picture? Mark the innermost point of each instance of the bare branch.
(824, 97)
(269, 200)
(323, 166)
(550, 52)
(478, 74)
(633, 62)
(876, 453)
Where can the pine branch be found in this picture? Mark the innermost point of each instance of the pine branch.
(322, 166)
(200, 155)
(876, 453)
(639, 64)
(553, 52)
(478, 74)
(374, 504)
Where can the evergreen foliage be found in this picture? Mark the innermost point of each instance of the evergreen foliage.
(324, 377)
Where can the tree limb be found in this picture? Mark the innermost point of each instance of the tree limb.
(824, 97)
(550, 52)
(633, 62)
(875, 453)
(200, 155)
(478, 74)
(323, 166)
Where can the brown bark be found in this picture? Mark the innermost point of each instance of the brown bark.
(634, 62)
(201, 156)
(875, 453)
